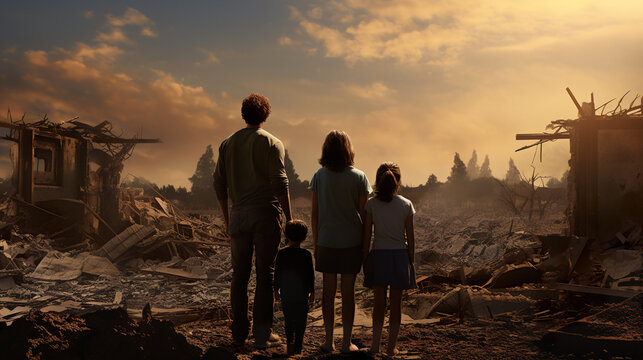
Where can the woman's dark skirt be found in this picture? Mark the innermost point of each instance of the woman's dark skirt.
(389, 268)
(339, 261)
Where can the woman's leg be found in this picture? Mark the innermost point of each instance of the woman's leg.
(379, 309)
(394, 320)
(328, 309)
(348, 310)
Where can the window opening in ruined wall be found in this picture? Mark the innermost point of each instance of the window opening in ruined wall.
(46, 167)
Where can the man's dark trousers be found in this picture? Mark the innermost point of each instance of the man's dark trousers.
(255, 229)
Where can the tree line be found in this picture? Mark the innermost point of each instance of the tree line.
(469, 180)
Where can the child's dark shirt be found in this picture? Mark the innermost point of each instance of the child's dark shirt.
(294, 274)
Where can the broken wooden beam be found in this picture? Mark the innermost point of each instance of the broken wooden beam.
(580, 109)
(106, 140)
(542, 136)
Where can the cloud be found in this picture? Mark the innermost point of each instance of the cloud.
(440, 32)
(116, 27)
(130, 17)
(88, 14)
(285, 41)
(146, 31)
(115, 35)
(83, 81)
(38, 58)
(374, 91)
(315, 13)
(210, 58)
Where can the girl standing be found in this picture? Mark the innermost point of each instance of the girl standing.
(339, 196)
(390, 262)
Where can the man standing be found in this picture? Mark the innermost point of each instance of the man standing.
(251, 170)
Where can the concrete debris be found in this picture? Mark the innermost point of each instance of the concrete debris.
(60, 266)
(622, 262)
(510, 276)
(124, 241)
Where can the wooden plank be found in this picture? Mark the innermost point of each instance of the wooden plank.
(580, 109)
(596, 290)
(125, 141)
(9, 125)
(542, 136)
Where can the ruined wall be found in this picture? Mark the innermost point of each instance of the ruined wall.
(606, 177)
(619, 180)
(70, 171)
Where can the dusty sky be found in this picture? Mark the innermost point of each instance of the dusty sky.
(411, 81)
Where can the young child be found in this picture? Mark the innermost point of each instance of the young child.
(390, 262)
(295, 284)
(339, 193)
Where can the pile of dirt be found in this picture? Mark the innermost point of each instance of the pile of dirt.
(104, 334)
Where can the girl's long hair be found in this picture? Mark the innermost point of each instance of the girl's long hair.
(337, 151)
(387, 181)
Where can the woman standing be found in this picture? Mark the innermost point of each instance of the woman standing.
(340, 192)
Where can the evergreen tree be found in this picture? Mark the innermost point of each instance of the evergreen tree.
(485, 170)
(293, 177)
(513, 174)
(458, 171)
(431, 181)
(554, 183)
(297, 187)
(202, 189)
(473, 170)
(563, 179)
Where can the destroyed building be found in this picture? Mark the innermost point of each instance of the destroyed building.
(605, 182)
(67, 177)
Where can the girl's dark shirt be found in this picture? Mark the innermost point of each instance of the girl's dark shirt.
(294, 274)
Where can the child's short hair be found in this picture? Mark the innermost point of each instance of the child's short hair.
(296, 230)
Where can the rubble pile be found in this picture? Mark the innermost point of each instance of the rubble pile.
(160, 260)
(104, 334)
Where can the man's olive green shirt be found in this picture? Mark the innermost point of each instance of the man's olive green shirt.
(251, 169)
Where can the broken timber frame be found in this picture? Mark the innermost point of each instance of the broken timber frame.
(605, 186)
(52, 173)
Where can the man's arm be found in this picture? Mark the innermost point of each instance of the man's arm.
(284, 201)
(223, 205)
(220, 184)
(275, 283)
(278, 178)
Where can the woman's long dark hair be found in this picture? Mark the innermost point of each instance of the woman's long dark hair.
(337, 151)
(387, 181)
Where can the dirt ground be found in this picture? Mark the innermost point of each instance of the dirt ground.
(464, 238)
(471, 339)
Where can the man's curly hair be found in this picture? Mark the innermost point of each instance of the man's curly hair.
(255, 109)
